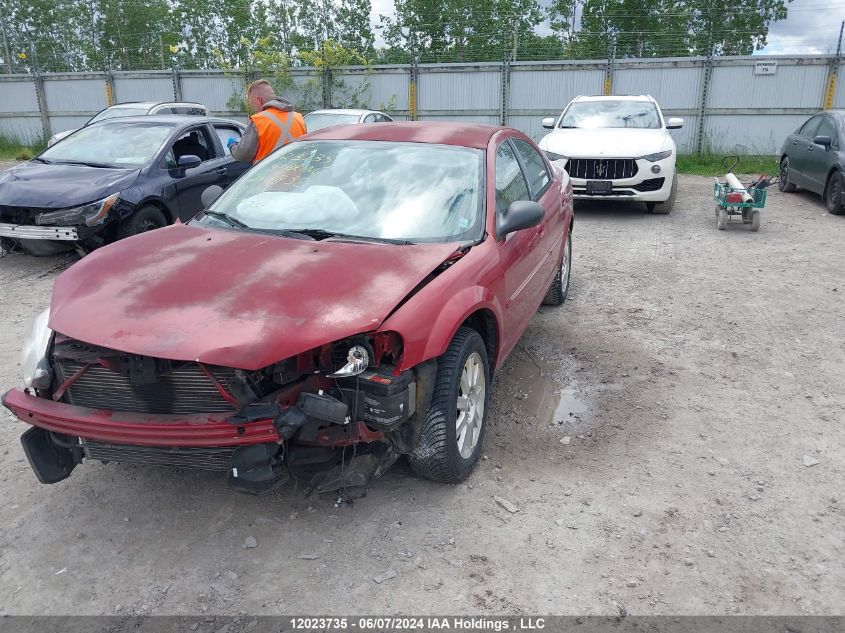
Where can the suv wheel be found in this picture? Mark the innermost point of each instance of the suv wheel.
(665, 207)
(833, 194)
(454, 427)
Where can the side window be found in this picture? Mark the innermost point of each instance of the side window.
(370, 118)
(383, 118)
(164, 111)
(224, 133)
(510, 183)
(197, 142)
(535, 168)
(826, 128)
(810, 127)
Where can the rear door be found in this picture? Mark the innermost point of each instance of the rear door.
(522, 254)
(195, 141)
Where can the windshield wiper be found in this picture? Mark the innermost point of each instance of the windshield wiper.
(228, 219)
(321, 234)
(42, 160)
(84, 162)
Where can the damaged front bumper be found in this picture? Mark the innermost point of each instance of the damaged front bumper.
(257, 445)
(34, 232)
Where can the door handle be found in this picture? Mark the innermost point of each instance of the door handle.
(795, 142)
(220, 170)
(810, 148)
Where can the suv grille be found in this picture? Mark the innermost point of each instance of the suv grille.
(183, 390)
(601, 168)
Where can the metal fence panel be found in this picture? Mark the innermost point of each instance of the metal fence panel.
(136, 88)
(792, 86)
(219, 93)
(745, 134)
(25, 129)
(673, 88)
(376, 90)
(60, 123)
(18, 96)
(550, 90)
(459, 89)
(67, 94)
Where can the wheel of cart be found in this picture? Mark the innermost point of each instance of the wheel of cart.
(745, 203)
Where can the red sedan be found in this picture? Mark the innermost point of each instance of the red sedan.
(345, 302)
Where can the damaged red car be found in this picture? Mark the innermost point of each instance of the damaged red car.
(345, 302)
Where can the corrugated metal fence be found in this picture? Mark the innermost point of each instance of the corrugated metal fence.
(726, 106)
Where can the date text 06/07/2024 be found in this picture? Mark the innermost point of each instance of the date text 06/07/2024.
(408, 623)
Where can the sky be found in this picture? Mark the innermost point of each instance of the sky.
(811, 26)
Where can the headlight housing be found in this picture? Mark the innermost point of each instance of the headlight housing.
(553, 157)
(34, 363)
(653, 158)
(91, 214)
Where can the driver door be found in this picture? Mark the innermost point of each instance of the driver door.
(190, 183)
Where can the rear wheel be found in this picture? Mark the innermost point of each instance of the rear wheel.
(784, 184)
(755, 221)
(665, 207)
(722, 219)
(833, 194)
(144, 219)
(454, 427)
(560, 286)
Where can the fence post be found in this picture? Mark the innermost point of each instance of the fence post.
(38, 80)
(412, 91)
(702, 103)
(608, 70)
(110, 92)
(833, 71)
(327, 87)
(177, 84)
(506, 89)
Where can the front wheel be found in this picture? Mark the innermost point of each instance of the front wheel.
(665, 207)
(144, 219)
(722, 219)
(560, 285)
(454, 426)
(833, 194)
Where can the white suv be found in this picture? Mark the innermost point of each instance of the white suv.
(616, 148)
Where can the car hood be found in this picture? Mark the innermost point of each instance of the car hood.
(233, 298)
(612, 143)
(58, 186)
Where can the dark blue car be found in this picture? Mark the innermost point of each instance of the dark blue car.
(813, 158)
(114, 179)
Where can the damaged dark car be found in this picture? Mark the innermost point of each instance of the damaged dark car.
(344, 303)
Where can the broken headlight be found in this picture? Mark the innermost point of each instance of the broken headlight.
(358, 358)
(91, 214)
(34, 363)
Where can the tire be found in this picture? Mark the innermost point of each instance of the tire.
(722, 219)
(783, 177)
(560, 285)
(833, 194)
(755, 221)
(665, 207)
(143, 220)
(437, 455)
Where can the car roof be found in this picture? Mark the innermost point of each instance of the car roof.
(175, 119)
(151, 104)
(342, 111)
(614, 98)
(459, 134)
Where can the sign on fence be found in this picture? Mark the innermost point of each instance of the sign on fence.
(765, 68)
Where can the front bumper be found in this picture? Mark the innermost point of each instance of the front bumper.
(34, 232)
(642, 187)
(203, 430)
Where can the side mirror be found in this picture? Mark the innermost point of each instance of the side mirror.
(210, 195)
(549, 123)
(824, 141)
(188, 161)
(674, 123)
(522, 214)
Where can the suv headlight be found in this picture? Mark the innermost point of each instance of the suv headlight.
(91, 214)
(553, 157)
(653, 158)
(34, 363)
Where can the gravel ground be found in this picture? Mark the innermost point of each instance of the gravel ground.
(693, 369)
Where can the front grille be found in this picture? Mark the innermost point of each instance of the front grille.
(182, 390)
(199, 458)
(19, 215)
(601, 168)
(652, 184)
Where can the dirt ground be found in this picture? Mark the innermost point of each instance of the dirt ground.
(693, 370)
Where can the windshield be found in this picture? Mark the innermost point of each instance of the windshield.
(113, 113)
(110, 145)
(369, 189)
(611, 113)
(319, 120)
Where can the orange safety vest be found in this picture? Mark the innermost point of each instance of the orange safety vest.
(276, 128)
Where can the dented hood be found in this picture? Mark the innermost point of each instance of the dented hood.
(233, 298)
